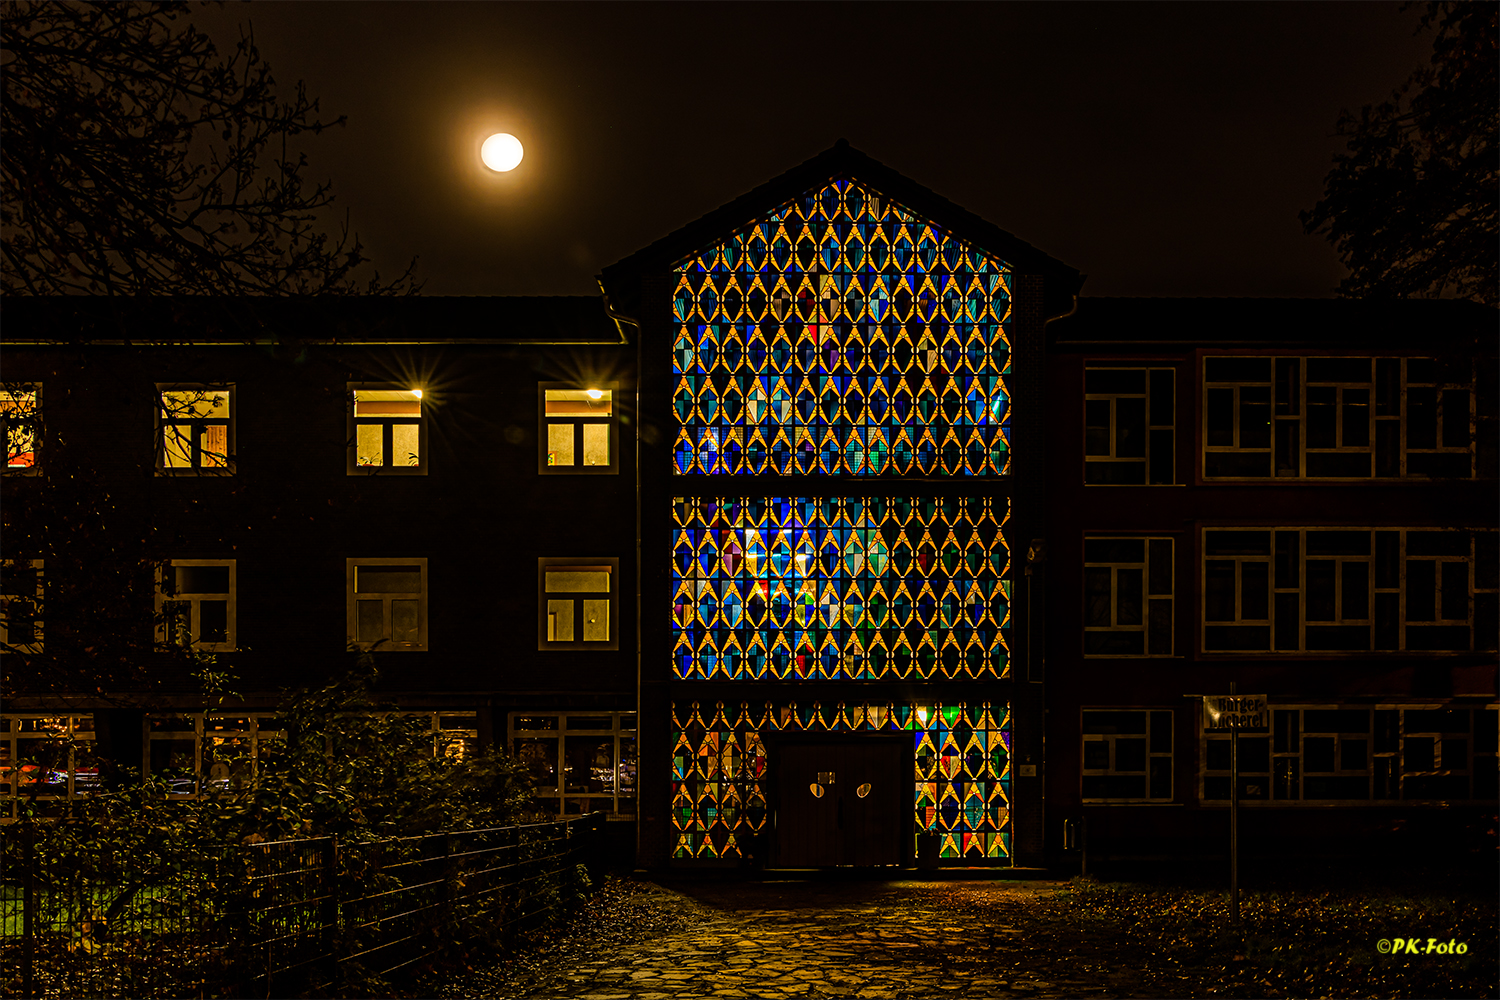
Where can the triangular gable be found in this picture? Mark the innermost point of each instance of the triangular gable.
(620, 280)
(842, 334)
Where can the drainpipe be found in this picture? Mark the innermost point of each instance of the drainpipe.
(1036, 582)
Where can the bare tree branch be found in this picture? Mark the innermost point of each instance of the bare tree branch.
(136, 160)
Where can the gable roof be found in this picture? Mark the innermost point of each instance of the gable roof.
(620, 279)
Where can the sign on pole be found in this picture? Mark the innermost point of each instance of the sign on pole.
(1244, 713)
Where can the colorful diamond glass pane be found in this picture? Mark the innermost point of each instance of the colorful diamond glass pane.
(961, 756)
(838, 287)
(850, 588)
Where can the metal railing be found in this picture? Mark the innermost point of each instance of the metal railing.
(278, 918)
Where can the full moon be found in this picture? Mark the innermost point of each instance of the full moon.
(501, 152)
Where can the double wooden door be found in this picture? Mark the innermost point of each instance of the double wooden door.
(843, 801)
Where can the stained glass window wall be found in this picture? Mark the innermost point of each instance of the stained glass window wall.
(961, 780)
(842, 335)
(840, 588)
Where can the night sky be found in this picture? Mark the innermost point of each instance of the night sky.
(1161, 149)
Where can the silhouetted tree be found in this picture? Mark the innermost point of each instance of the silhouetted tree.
(136, 160)
(1411, 204)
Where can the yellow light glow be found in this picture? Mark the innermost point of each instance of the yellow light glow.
(922, 716)
(501, 152)
(595, 393)
(417, 393)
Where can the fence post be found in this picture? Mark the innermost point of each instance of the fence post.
(328, 908)
(449, 877)
(28, 911)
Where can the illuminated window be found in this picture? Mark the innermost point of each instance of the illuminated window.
(387, 603)
(387, 430)
(1129, 438)
(48, 759)
(961, 766)
(1339, 418)
(209, 751)
(1127, 755)
(195, 604)
(195, 429)
(579, 433)
(1127, 597)
(21, 425)
(579, 601)
(1358, 753)
(842, 334)
(1350, 590)
(857, 588)
(212, 751)
(21, 606)
(579, 762)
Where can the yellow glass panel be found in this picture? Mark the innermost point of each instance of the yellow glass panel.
(596, 444)
(184, 404)
(585, 581)
(559, 621)
(578, 402)
(369, 444)
(387, 403)
(178, 443)
(404, 447)
(559, 444)
(596, 621)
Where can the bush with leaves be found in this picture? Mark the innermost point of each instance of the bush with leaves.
(129, 867)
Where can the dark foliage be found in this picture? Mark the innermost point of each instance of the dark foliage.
(136, 160)
(1411, 204)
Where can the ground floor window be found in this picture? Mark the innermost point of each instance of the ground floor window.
(211, 751)
(1348, 753)
(961, 753)
(48, 759)
(580, 762)
(1127, 755)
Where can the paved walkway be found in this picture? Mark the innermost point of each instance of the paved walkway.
(879, 939)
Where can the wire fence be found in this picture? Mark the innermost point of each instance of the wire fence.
(279, 918)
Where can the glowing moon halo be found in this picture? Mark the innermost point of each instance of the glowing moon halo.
(501, 152)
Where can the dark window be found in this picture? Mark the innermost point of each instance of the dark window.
(1128, 596)
(1129, 433)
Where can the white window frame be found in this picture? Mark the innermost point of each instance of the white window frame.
(390, 466)
(581, 603)
(1157, 721)
(611, 421)
(386, 645)
(1384, 760)
(622, 801)
(17, 730)
(453, 735)
(18, 416)
(1158, 436)
(1389, 392)
(196, 426)
(1151, 602)
(194, 601)
(35, 595)
(1288, 590)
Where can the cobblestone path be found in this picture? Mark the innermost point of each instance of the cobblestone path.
(888, 939)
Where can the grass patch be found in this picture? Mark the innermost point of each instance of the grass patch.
(1313, 940)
